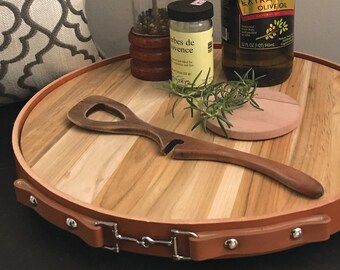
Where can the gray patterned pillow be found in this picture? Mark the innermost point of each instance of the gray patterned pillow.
(41, 40)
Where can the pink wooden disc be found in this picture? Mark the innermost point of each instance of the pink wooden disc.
(280, 115)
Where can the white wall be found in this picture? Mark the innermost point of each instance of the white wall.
(317, 26)
(109, 22)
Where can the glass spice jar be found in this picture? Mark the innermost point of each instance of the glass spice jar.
(149, 39)
(191, 41)
(150, 17)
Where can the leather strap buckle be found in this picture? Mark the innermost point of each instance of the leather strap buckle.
(174, 240)
(147, 241)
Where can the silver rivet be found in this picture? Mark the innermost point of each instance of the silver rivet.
(296, 233)
(33, 200)
(71, 223)
(231, 243)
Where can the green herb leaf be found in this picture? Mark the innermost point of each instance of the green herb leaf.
(217, 100)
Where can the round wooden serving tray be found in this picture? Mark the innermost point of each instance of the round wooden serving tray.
(119, 192)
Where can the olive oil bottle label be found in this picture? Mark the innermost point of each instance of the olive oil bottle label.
(191, 55)
(254, 8)
(266, 24)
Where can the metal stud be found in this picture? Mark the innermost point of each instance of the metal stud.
(71, 223)
(231, 243)
(296, 233)
(33, 200)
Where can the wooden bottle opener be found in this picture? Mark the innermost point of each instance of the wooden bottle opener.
(188, 148)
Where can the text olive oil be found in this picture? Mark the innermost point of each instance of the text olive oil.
(258, 34)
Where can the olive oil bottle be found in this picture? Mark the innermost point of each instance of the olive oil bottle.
(258, 34)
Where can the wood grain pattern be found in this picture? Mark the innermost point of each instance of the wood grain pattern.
(126, 175)
(251, 124)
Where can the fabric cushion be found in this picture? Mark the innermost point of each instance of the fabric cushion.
(41, 40)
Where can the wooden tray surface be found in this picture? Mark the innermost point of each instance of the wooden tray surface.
(127, 176)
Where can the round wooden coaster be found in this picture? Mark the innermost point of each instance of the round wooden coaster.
(280, 115)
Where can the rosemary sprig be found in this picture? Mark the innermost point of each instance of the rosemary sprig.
(217, 100)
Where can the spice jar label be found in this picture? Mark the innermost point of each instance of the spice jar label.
(198, 2)
(191, 54)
